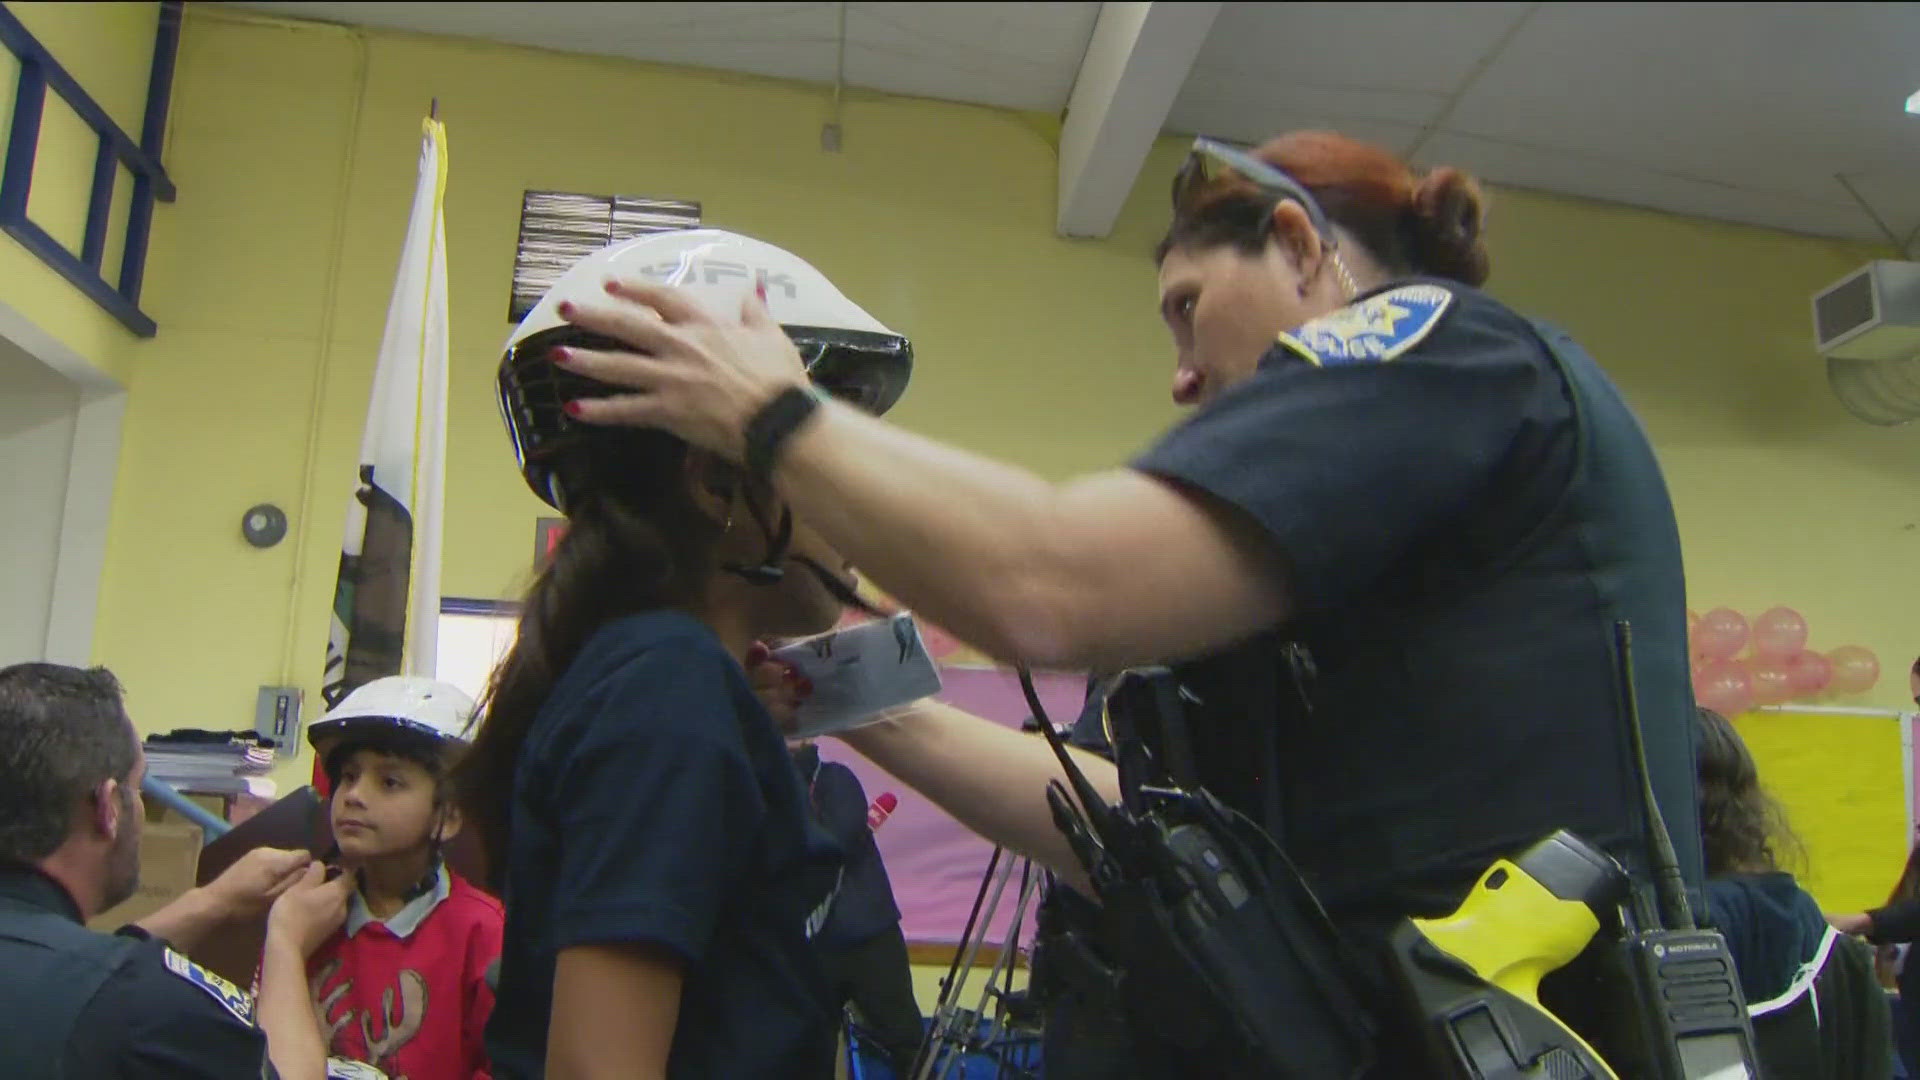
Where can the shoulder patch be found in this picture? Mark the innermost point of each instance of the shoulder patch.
(1374, 330)
(232, 998)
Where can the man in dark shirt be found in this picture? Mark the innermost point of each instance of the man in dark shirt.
(858, 935)
(76, 1003)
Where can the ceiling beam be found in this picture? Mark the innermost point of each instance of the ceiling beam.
(1136, 63)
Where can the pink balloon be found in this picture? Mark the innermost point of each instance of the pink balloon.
(1725, 687)
(1779, 633)
(1855, 669)
(1772, 682)
(1809, 671)
(1720, 634)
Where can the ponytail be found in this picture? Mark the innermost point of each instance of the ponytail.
(1430, 225)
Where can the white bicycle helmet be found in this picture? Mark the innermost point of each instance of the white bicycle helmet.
(398, 709)
(848, 353)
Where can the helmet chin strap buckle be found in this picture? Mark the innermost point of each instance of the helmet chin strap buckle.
(768, 571)
(763, 574)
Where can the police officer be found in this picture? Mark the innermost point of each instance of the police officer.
(74, 1003)
(1387, 550)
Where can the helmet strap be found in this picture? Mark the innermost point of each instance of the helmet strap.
(838, 589)
(769, 570)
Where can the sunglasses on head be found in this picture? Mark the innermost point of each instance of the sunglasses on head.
(1209, 161)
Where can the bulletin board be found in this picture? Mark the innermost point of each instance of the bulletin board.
(1845, 777)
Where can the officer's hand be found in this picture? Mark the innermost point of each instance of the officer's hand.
(698, 374)
(252, 882)
(778, 685)
(1853, 923)
(308, 913)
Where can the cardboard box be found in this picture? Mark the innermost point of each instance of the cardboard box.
(169, 859)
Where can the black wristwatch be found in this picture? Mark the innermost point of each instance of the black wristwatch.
(773, 425)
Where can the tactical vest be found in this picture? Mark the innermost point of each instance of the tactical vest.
(1518, 613)
(1276, 721)
(50, 968)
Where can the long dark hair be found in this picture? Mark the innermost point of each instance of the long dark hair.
(635, 541)
(1743, 828)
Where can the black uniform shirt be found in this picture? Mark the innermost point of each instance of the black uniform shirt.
(157, 1017)
(1464, 512)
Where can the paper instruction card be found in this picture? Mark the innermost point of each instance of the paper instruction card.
(859, 672)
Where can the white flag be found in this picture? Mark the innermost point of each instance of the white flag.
(386, 602)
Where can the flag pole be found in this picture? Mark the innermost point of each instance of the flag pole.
(386, 598)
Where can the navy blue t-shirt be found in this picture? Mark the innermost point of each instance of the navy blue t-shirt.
(1771, 925)
(654, 803)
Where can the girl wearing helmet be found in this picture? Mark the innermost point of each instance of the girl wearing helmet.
(402, 985)
(634, 799)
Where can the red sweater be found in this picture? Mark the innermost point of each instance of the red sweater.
(413, 1003)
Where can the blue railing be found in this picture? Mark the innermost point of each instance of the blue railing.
(40, 72)
(211, 826)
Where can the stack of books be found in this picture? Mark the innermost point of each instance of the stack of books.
(211, 763)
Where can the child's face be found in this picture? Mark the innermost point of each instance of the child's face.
(382, 805)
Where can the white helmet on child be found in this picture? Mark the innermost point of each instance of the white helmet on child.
(848, 352)
(396, 709)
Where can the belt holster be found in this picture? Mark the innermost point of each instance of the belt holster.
(1221, 949)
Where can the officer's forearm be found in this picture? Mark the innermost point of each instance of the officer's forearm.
(187, 921)
(1107, 571)
(284, 1013)
(991, 778)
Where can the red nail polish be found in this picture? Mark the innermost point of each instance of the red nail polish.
(566, 309)
(571, 408)
(560, 355)
(760, 289)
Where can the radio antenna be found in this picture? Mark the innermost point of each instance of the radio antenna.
(1669, 889)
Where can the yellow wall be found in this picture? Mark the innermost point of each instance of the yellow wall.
(108, 48)
(294, 149)
(280, 253)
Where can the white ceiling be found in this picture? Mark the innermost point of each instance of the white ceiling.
(1018, 56)
(1739, 111)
